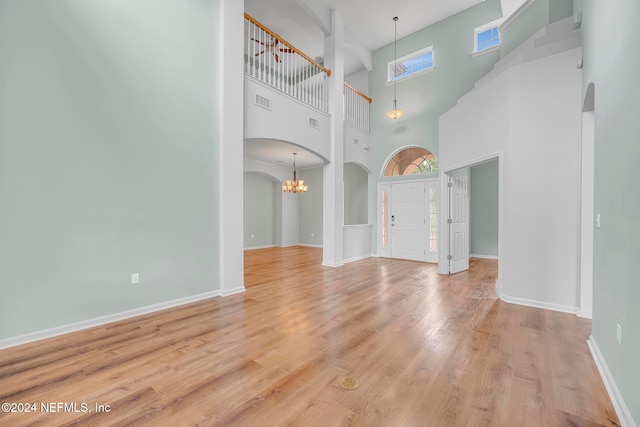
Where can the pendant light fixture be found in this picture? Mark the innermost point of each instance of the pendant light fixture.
(295, 186)
(395, 114)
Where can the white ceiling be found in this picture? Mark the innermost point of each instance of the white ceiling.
(371, 21)
(280, 153)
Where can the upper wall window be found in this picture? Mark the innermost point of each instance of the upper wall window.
(486, 37)
(410, 65)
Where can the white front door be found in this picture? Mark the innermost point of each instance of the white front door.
(460, 223)
(408, 224)
(408, 220)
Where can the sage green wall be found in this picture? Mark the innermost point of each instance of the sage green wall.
(425, 97)
(483, 205)
(310, 207)
(108, 161)
(612, 62)
(259, 208)
(356, 202)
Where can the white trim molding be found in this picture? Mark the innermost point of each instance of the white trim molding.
(229, 292)
(356, 258)
(482, 28)
(98, 321)
(483, 256)
(487, 50)
(333, 265)
(585, 314)
(621, 408)
(539, 304)
(250, 248)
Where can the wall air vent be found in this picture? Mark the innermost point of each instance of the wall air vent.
(314, 123)
(263, 102)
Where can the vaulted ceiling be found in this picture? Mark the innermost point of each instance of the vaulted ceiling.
(370, 22)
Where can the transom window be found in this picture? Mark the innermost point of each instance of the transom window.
(486, 36)
(410, 65)
(412, 161)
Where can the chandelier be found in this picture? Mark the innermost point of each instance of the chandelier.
(295, 185)
(395, 114)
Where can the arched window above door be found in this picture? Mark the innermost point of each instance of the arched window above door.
(411, 161)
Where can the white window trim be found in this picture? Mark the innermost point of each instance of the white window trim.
(487, 50)
(412, 55)
(482, 28)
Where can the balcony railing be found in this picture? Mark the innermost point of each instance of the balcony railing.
(277, 63)
(356, 107)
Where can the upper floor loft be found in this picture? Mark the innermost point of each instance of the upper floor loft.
(274, 61)
(287, 98)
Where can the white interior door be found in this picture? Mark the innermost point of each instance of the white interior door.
(408, 221)
(460, 223)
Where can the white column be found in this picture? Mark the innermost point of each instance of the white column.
(333, 198)
(587, 215)
(231, 139)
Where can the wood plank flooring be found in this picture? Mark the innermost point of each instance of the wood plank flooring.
(427, 349)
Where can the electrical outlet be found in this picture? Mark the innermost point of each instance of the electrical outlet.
(252, 236)
(135, 278)
(619, 334)
(597, 220)
(311, 234)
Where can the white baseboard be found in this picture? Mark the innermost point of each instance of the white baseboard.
(483, 256)
(229, 292)
(90, 323)
(539, 304)
(309, 245)
(357, 258)
(622, 410)
(584, 314)
(250, 248)
(332, 264)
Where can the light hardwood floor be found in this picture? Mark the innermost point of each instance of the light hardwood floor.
(428, 350)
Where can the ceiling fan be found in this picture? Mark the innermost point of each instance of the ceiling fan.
(272, 47)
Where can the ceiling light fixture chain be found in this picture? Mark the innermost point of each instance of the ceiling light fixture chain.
(395, 114)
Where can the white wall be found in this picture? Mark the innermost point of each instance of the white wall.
(231, 147)
(288, 119)
(357, 147)
(359, 80)
(357, 242)
(530, 115)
